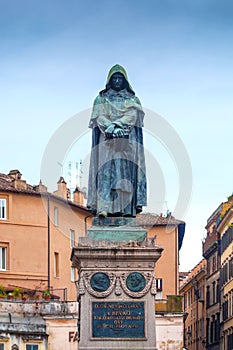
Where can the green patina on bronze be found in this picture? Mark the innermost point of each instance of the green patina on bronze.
(117, 174)
(135, 282)
(121, 236)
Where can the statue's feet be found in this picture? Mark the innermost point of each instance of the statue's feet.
(103, 214)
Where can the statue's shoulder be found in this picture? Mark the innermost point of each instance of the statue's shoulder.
(100, 99)
(97, 100)
(136, 99)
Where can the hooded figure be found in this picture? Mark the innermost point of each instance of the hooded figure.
(117, 178)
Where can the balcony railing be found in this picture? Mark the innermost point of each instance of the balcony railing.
(60, 308)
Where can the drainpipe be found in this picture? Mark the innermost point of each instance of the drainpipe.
(48, 215)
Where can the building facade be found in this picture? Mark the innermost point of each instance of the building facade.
(38, 326)
(169, 234)
(193, 289)
(38, 230)
(215, 274)
(225, 230)
(211, 252)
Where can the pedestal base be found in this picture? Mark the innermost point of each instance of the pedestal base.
(116, 288)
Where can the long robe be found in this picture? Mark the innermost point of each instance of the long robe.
(117, 177)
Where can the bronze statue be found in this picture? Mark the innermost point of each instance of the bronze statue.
(117, 178)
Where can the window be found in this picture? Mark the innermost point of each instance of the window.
(232, 304)
(208, 267)
(189, 298)
(226, 239)
(218, 327)
(14, 347)
(207, 296)
(212, 330)
(159, 284)
(218, 292)
(2, 209)
(72, 238)
(214, 292)
(224, 273)
(56, 216)
(72, 274)
(214, 264)
(207, 331)
(159, 288)
(56, 264)
(1, 346)
(185, 301)
(231, 268)
(230, 341)
(31, 347)
(225, 310)
(3, 258)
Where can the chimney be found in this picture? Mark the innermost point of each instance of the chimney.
(16, 174)
(40, 187)
(78, 196)
(19, 184)
(61, 188)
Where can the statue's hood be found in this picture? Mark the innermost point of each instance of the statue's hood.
(117, 69)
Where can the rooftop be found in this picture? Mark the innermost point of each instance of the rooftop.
(193, 273)
(150, 219)
(13, 183)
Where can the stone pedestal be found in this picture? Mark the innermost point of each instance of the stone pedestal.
(116, 286)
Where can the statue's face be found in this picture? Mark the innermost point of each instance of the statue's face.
(117, 82)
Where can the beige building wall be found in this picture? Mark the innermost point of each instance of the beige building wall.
(193, 291)
(225, 228)
(48, 325)
(169, 332)
(62, 334)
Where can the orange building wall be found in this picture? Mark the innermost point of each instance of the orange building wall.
(167, 266)
(25, 232)
(68, 219)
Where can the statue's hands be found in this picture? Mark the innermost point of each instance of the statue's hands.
(118, 132)
(109, 131)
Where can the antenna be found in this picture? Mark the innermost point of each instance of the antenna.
(76, 176)
(61, 165)
(80, 172)
(69, 174)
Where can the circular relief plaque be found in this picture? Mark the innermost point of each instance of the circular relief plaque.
(100, 282)
(135, 282)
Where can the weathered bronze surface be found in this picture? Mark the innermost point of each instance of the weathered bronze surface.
(136, 282)
(100, 282)
(117, 177)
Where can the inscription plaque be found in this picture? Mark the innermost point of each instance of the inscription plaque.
(115, 319)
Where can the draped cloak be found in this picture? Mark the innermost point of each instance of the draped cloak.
(117, 176)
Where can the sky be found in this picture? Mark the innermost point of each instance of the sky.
(54, 59)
